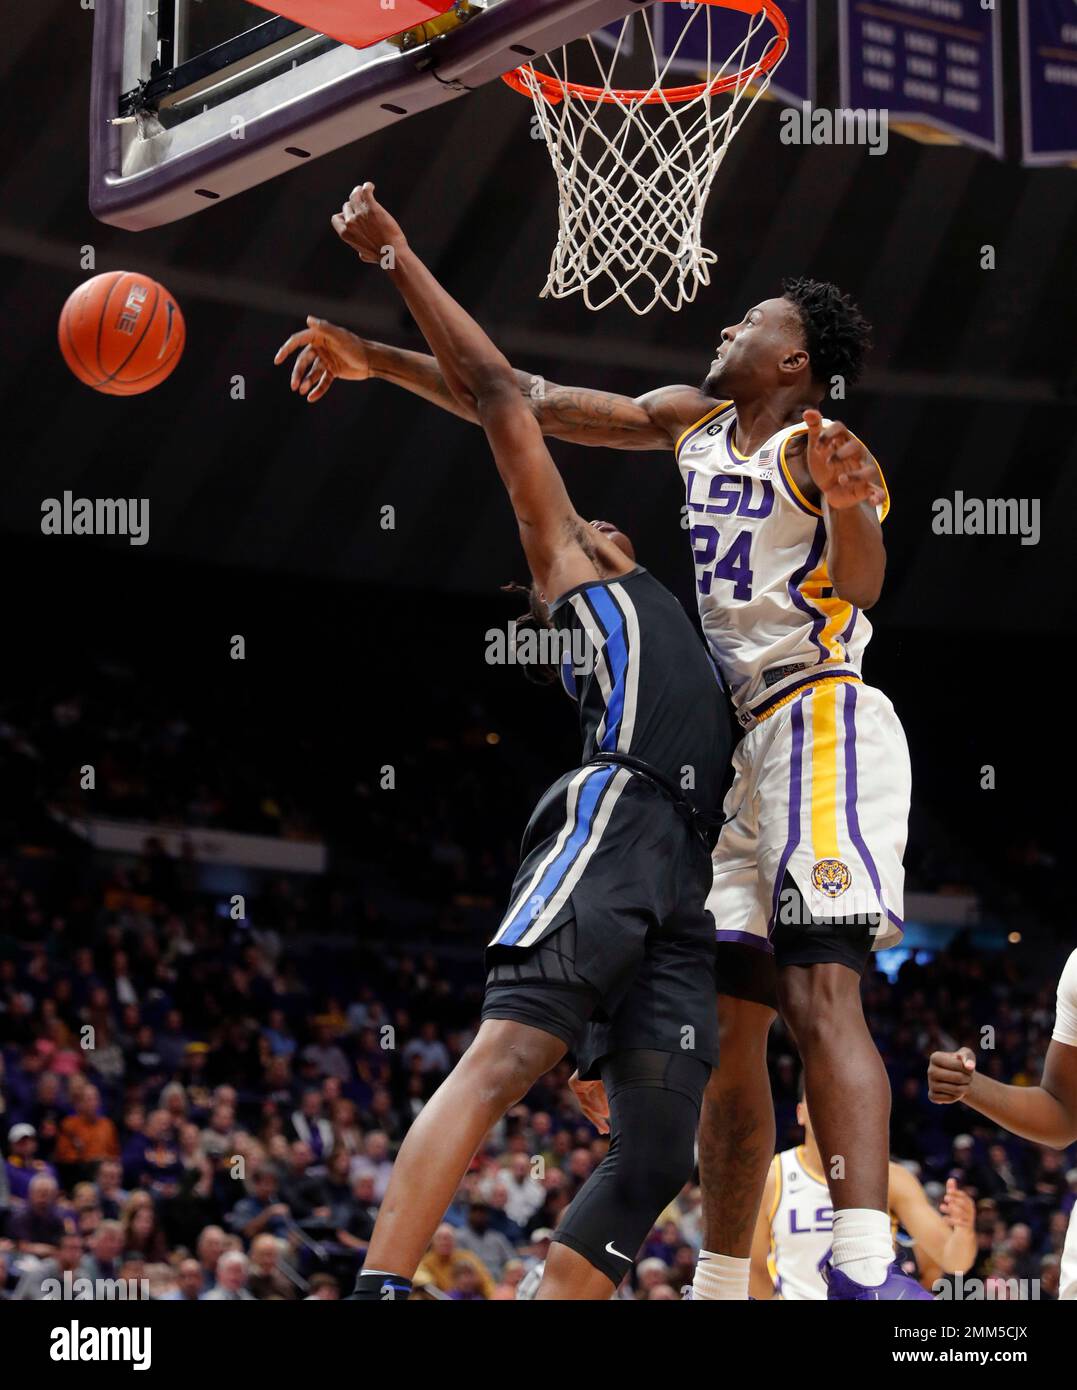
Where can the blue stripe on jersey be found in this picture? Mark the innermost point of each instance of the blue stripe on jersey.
(591, 789)
(616, 650)
(568, 677)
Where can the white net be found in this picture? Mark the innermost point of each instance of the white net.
(634, 167)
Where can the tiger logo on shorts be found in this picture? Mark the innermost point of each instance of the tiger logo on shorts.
(831, 876)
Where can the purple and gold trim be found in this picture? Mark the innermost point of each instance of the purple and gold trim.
(801, 687)
(792, 840)
(798, 497)
(719, 409)
(852, 818)
(728, 936)
(818, 620)
(787, 478)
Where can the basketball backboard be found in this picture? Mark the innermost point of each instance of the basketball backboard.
(193, 101)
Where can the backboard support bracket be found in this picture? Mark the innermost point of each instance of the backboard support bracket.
(146, 172)
(165, 79)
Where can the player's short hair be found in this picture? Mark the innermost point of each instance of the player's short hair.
(838, 335)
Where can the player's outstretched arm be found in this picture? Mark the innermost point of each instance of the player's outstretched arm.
(947, 1238)
(481, 379)
(326, 353)
(1046, 1114)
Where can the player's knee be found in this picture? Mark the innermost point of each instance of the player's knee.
(818, 1002)
(654, 1155)
(503, 1069)
(650, 1175)
(743, 1027)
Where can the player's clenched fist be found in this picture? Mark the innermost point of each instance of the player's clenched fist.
(365, 225)
(949, 1075)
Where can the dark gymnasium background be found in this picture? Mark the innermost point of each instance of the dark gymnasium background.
(364, 651)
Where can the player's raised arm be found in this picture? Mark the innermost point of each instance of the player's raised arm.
(850, 488)
(948, 1238)
(326, 353)
(481, 379)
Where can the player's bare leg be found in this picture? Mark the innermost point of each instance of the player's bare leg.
(569, 1275)
(848, 1093)
(736, 1128)
(846, 1084)
(496, 1071)
(736, 1138)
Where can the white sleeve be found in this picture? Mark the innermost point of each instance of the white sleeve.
(1066, 1008)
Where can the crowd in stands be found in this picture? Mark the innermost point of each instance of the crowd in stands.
(209, 1104)
(198, 1105)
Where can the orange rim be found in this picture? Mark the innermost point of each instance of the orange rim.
(555, 90)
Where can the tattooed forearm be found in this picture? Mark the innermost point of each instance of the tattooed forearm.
(572, 413)
(592, 417)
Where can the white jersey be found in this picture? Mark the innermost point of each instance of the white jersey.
(801, 1228)
(1065, 1031)
(766, 603)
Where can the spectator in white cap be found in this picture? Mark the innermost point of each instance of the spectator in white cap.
(22, 1165)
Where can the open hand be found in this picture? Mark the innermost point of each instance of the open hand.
(840, 466)
(958, 1207)
(326, 353)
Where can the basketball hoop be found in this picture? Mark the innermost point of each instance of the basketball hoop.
(634, 166)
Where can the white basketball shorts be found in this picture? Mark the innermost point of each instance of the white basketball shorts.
(820, 793)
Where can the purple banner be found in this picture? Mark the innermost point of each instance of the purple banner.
(794, 78)
(933, 65)
(1049, 81)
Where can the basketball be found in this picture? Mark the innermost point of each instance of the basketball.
(122, 333)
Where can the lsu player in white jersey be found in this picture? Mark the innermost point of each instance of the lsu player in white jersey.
(785, 510)
(1046, 1114)
(795, 1226)
(786, 537)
